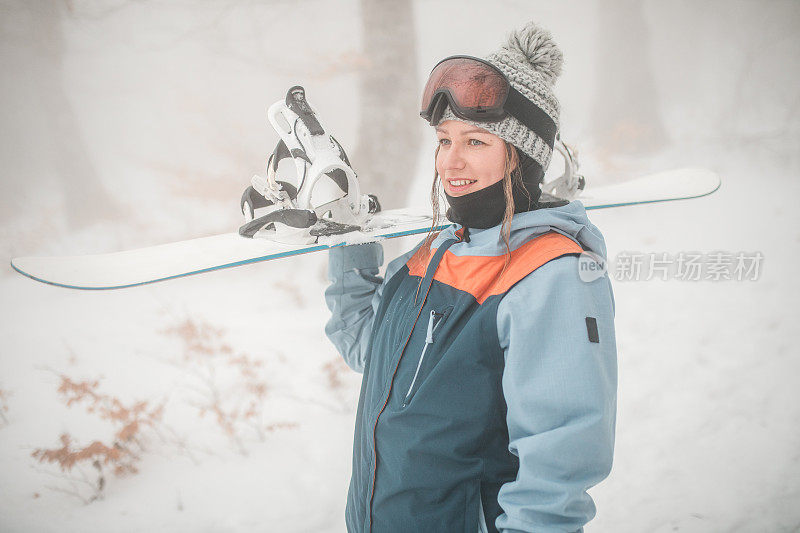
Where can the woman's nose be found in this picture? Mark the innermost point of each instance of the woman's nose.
(453, 158)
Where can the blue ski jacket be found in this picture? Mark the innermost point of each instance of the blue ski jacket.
(488, 397)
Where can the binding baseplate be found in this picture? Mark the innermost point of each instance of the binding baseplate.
(279, 210)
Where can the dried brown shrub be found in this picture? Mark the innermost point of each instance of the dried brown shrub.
(121, 455)
(129, 419)
(334, 370)
(233, 389)
(199, 339)
(67, 457)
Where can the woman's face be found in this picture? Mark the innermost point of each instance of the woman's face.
(469, 158)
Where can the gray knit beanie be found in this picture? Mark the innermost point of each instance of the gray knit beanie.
(531, 61)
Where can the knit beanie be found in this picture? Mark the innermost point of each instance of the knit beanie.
(531, 61)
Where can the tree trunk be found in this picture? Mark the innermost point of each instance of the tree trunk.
(85, 198)
(386, 154)
(626, 112)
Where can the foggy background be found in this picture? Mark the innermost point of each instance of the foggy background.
(130, 123)
(125, 113)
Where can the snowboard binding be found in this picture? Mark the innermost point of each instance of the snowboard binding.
(279, 210)
(570, 184)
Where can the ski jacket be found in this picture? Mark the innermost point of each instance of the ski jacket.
(488, 397)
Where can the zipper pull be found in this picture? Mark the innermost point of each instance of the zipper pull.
(432, 326)
(429, 336)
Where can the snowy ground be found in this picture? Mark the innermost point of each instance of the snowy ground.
(255, 429)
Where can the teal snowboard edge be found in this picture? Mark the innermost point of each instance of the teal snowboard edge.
(642, 202)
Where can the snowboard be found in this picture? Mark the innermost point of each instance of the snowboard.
(142, 266)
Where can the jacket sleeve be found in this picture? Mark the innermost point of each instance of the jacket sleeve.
(560, 390)
(353, 297)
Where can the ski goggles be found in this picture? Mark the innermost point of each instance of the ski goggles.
(478, 91)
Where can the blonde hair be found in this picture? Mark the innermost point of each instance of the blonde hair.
(512, 177)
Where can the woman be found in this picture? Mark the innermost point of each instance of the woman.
(488, 398)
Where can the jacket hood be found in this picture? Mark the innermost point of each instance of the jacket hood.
(569, 220)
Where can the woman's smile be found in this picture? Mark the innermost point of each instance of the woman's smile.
(458, 186)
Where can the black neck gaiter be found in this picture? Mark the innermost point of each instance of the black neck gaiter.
(485, 208)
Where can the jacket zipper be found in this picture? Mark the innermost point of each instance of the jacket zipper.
(443, 248)
(428, 342)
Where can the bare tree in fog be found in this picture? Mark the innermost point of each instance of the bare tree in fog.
(765, 104)
(85, 198)
(386, 153)
(625, 118)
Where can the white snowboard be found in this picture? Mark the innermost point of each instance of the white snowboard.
(167, 261)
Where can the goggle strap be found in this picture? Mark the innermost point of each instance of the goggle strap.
(440, 104)
(531, 116)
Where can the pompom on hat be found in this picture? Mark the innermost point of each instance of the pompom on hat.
(531, 61)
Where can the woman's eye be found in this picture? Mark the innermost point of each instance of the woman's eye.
(476, 141)
(443, 141)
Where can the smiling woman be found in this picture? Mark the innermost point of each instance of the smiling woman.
(488, 398)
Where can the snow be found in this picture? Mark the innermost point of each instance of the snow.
(707, 436)
(170, 101)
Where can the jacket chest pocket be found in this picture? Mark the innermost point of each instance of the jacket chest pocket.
(436, 320)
